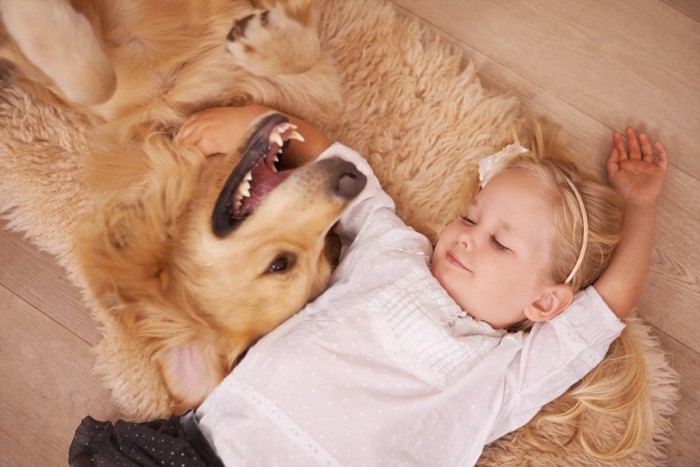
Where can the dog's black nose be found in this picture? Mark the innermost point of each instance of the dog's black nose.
(349, 181)
(350, 184)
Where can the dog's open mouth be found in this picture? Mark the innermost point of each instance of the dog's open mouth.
(256, 175)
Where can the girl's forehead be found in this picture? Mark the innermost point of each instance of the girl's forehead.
(512, 185)
(517, 201)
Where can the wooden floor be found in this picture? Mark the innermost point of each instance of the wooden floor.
(592, 66)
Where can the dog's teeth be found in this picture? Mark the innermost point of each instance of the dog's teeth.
(295, 135)
(244, 189)
(276, 138)
(248, 176)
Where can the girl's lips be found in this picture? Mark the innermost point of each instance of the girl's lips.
(452, 259)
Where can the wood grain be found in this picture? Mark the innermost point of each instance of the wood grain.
(620, 62)
(37, 279)
(684, 450)
(47, 386)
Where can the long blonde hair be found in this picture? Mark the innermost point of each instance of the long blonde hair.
(615, 392)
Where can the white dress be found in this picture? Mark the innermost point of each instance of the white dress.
(384, 369)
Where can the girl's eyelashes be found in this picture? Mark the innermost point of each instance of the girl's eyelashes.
(467, 220)
(498, 245)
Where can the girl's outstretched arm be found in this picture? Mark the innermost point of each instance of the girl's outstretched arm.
(638, 175)
(220, 129)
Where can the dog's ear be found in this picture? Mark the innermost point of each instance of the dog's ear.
(191, 371)
(123, 246)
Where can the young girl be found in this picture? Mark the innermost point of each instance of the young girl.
(421, 356)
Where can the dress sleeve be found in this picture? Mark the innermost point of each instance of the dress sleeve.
(555, 354)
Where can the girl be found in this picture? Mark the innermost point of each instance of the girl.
(421, 356)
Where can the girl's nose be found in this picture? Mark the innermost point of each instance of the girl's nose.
(466, 239)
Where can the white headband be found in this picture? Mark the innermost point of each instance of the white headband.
(491, 165)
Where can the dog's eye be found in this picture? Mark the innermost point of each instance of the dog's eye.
(281, 263)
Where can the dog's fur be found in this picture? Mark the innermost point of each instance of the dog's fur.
(187, 302)
(139, 63)
(178, 304)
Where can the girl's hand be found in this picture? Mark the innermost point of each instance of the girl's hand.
(640, 174)
(218, 130)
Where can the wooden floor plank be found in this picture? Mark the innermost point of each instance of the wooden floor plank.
(36, 277)
(47, 386)
(684, 450)
(690, 8)
(623, 62)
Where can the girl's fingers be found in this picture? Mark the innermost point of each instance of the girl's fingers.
(612, 165)
(647, 150)
(192, 124)
(613, 162)
(184, 133)
(187, 128)
(619, 146)
(662, 155)
(633, 143)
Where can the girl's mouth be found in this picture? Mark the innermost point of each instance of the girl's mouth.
(452, 259)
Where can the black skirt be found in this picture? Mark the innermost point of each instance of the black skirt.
(176, 442)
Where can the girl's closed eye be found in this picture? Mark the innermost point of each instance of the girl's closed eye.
(467, 220)
(498, 245)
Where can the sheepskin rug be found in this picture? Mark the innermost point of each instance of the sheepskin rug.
(416, 109)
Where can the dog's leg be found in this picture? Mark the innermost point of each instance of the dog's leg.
(275, 42)
(62, 44)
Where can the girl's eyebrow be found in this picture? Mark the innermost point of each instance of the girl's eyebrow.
(474, 203)
(506, 226)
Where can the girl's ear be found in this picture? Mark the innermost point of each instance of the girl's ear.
(554, 300)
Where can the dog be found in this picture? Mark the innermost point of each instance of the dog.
(191, 274)
(178, 288)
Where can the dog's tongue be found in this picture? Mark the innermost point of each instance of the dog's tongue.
(264, 181)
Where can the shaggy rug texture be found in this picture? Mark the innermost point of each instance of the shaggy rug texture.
(416, 109)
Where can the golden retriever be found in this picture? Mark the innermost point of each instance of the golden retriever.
(180, 282)
(192, 277)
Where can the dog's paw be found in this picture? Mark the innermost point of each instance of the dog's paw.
(271, 42)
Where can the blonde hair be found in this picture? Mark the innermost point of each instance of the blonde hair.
(615, 392)
(603, 209)
(613, 397)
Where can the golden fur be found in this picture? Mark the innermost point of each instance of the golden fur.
(187, 302)
(178, 304)
(154, 65)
